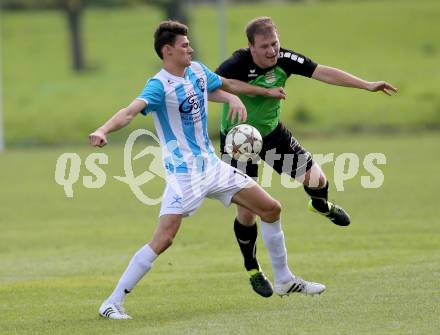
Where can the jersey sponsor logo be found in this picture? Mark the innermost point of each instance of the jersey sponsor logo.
(191, 105)
(191, 109)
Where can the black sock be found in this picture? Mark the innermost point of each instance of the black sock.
(319, 197)
(247, 238)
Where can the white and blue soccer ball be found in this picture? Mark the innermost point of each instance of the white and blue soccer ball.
(243, 143)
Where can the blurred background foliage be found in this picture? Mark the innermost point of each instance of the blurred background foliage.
(49, 99)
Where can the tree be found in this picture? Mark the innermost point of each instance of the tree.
(175, 10)
(74, 10)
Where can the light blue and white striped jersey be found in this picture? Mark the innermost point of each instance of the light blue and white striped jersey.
(180, 109)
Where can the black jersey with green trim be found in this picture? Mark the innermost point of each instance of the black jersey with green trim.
(263, 113)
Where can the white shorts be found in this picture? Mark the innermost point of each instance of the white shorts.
(185, 192)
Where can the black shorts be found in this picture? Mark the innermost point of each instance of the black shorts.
(280, 150)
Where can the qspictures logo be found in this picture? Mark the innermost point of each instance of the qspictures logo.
(69, 165)
(346, 166)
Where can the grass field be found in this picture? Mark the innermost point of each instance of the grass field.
(60, 257)
(397, 41)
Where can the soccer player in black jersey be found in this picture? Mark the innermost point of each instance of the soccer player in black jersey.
(265, 63)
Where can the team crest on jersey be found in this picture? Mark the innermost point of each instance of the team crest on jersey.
(270, 77)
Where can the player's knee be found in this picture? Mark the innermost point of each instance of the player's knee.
(322, 181)
(276, 209)
(314, 178)
(273, 212)
(161, 243)
(246, 218)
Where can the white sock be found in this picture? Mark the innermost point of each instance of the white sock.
(139, 265)
(273, 238)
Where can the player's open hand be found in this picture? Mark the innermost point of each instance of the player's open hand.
(383, 86)
(97, 139)
(276, 93)
(236, 110)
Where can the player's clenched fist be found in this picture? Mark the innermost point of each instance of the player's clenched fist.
(97, 139)
(276, 93)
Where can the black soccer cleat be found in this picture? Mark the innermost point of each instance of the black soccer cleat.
(260, 283)
(336, 213)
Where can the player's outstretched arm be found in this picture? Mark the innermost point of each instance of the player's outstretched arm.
(236, 107)
(240, 87)
(119, 120)
(334, 76)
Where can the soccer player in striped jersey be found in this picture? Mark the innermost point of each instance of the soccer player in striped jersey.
(177, 99)
(266, 64)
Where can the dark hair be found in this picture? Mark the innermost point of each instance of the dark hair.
(259, 25)
(166, 33)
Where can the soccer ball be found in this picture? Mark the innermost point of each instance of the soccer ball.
(243, 143)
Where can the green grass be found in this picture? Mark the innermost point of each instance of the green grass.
(378, 40)
(60, 257)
